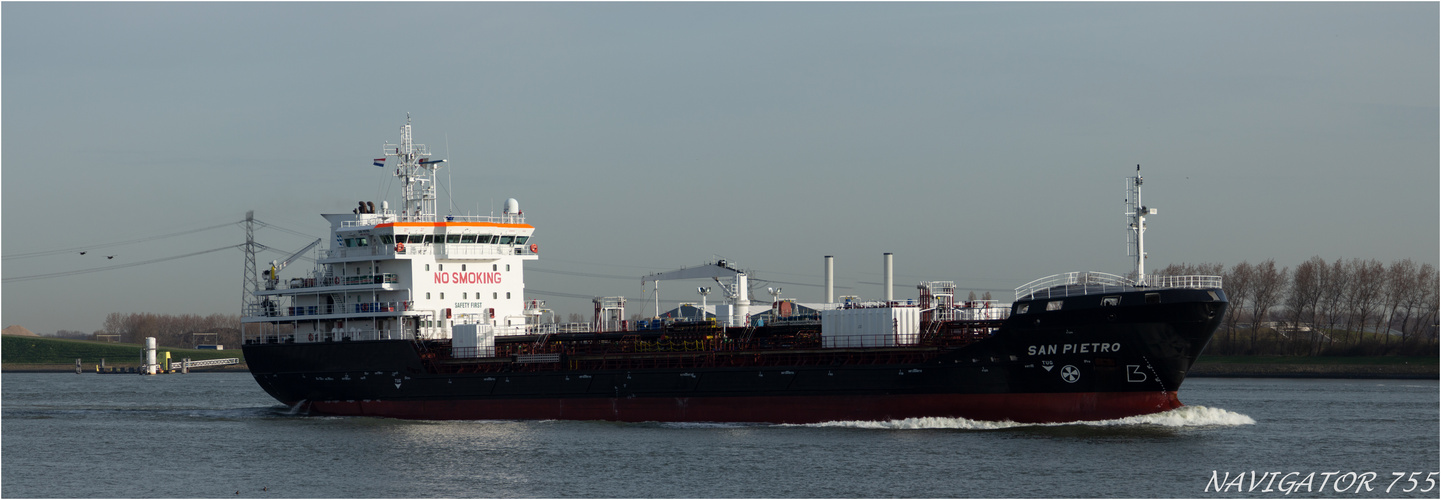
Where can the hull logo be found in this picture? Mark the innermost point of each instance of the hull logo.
(1048, 365)
(1134, 374)
(1070, 374)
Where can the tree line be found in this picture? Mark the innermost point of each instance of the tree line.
(1349, 307)
(173, 330)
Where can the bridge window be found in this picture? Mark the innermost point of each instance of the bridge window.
(429, 238)
(1054, 305)
(1114, 300)
(520, 240)
(469, 238)
(1022, 308)
(452, 238)
(360, 242)
(385, 239)
(506, 240)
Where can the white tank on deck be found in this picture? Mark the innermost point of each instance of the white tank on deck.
(151, 367)
(871, 326)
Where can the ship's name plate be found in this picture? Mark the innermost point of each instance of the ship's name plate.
(1085, 348)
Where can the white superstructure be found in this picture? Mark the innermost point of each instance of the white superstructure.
(407, 273)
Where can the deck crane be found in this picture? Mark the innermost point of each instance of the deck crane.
(272, 276)
(736, 290)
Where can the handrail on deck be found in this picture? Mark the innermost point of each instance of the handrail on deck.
(1089, 282)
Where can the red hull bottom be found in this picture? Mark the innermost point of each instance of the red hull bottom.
(1029, 408)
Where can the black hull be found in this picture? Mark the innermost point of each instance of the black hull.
(1081, 362)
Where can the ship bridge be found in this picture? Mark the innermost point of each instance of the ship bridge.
(403, 271)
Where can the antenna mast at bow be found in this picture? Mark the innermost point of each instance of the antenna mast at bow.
(1136, 220)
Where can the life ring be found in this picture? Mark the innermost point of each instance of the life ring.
(534, 248)
(312, 337)
(400, 247)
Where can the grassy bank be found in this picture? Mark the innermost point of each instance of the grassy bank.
(39, 353)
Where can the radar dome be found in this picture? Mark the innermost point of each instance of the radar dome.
(512, 206)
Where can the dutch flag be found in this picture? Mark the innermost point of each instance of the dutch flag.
(380, 162)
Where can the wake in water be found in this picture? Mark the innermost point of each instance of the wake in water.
(295, 410)
(1185, 416)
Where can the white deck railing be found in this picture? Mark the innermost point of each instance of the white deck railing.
(1089, 282)
(388, 216)
(441, 250)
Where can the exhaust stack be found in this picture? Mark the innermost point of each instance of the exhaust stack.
(830, 279)
(890, 280)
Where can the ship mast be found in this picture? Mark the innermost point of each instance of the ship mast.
(1136, 220)
(417, 175)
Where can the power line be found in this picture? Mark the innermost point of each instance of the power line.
(105, 245)
(291, 231)
(586, 275)
(762, 280)
(118, 266)
(958, 287)
(532, 291)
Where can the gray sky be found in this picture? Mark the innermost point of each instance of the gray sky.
(981, 143)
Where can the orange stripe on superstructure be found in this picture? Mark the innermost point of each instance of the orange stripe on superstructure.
(461, 224)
